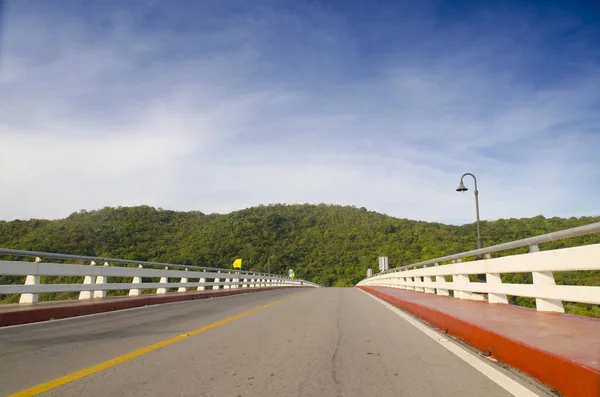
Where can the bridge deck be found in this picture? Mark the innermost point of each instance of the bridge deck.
(553, 347)
(317, 342)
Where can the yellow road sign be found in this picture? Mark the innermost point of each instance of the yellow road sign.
(237, 264)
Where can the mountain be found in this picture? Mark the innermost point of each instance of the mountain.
(328, 244)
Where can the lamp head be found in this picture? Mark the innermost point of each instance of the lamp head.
(461, 187)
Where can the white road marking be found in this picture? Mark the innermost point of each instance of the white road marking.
(490, 372)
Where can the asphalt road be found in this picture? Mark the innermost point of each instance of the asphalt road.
(320, 342)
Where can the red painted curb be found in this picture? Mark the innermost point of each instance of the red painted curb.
(34, 315)
(566, 376)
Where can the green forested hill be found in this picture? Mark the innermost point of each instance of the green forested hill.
(330, 245)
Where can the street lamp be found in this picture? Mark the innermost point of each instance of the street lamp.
(462, 188)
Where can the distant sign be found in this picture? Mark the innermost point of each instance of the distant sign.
(291, 273)
(383, 263)
(369, 272)
(237, 264)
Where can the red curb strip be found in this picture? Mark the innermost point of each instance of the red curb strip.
(566, 376)
(34, 315)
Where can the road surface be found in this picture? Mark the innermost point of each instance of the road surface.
(307, 342)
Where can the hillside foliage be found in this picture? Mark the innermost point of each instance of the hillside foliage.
(330, 245)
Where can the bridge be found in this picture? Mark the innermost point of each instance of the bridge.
(426, 329)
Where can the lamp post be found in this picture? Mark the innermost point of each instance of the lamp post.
(462, 188)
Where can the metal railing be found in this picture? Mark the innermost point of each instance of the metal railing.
(96, 283)
(541, 264)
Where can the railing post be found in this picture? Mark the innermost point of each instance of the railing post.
(227, 286)
(235, 280)
(427, 279)
(419, 284)
(31, 280)
(163, 280)
(460, 279)
(390, 282)
(202, 280)
(136, 280)
(441, 288)
(100, 280)
(494, 279)
(183, 280)
(545, 279)
(87, 280)
(402, 283)
(217, 280)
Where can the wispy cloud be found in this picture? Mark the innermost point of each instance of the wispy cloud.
(220, 107)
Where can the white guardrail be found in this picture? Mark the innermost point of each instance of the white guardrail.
(429, 276)
(96, 278)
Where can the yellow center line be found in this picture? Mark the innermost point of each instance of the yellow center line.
(43, 387)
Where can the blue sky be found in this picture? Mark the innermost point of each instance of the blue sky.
(221, 105)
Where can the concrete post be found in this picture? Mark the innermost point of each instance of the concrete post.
(494, 279)
(87, 280)
(460, 279)
(31, 280)
(441, 288)
(245, 283)
(201, 287)
(545, 279)
(227, 286)
(163, 280)
(427, 279)
(419, 284)
(100, 280)
(184, 280)
(216, 281)
(136, 280)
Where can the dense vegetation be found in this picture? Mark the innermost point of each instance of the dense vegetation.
(330, 245)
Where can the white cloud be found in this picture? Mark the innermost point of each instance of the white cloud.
(228, 119)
